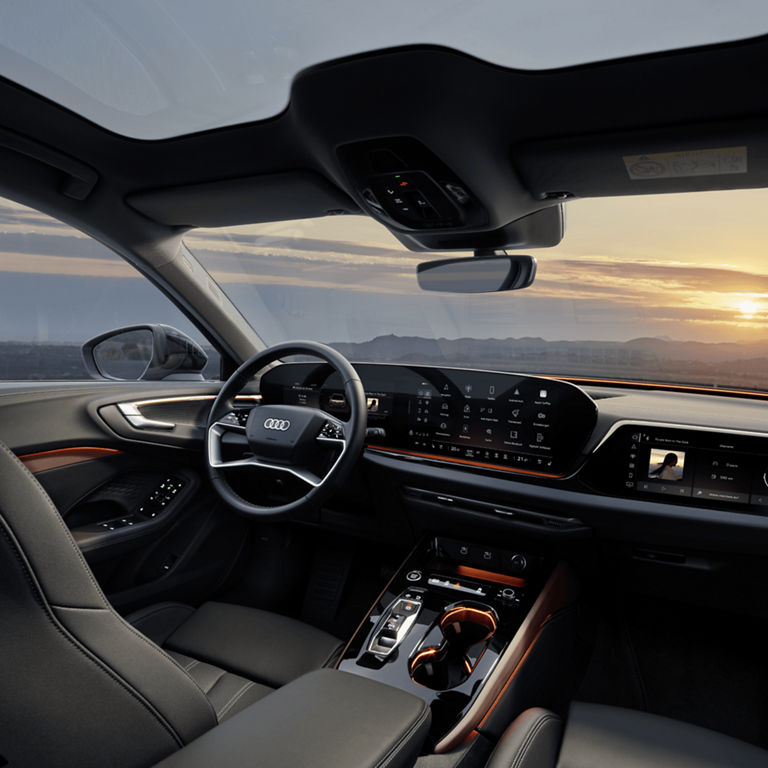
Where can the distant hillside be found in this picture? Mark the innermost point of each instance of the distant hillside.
(32, 362)
(723, 364)
(644, 359)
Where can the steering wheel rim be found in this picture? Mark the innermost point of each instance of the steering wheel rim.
(349, 436)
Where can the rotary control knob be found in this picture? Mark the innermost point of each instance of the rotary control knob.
(508, 594)
(518, 563)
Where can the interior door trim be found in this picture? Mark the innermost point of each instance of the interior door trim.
(63, 457)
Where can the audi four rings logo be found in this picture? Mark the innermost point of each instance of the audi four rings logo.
(280, 425)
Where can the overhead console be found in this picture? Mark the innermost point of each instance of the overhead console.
(480, 419)
(400, 182)
(403, 183)
(683, 465)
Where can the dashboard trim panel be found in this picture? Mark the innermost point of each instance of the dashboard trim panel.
(670, 425)
(462, 462)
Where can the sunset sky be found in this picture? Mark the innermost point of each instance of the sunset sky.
(686, 267)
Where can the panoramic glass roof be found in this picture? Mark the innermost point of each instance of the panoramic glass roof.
(152, 69)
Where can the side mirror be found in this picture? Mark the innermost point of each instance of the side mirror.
(144, 352)
(487, 272)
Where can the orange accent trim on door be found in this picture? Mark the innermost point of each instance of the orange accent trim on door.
(466, 462)
(63, 457)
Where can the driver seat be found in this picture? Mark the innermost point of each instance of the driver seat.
(83, 686)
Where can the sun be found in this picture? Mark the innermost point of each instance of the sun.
(748, 308)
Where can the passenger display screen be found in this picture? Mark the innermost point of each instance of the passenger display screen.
(698, 465)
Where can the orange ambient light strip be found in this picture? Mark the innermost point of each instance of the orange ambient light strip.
(496, 578)
(465, 462)
(63, 457)
(468, 613)
(654, 385)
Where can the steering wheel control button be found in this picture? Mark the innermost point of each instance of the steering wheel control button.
(413, 576)
(332, 431)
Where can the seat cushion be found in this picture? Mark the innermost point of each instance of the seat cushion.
(602, 735)
(228, 693)
(261, 646)
(236, 655)
(597, 735)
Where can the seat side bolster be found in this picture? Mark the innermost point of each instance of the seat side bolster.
(531, 741)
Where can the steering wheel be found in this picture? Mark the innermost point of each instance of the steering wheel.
(294, 439)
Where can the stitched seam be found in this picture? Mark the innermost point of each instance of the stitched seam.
(89, 573)
(159, 650)
(215, 683)
(145, 616)
(86, 653)
(231, 703)
(403, 740)
(57, 517)
(529, 738)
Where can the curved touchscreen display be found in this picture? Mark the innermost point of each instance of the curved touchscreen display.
(497, 420)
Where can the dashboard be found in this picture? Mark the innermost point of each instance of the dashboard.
(548, 432)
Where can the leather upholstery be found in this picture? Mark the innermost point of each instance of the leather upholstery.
(262, 646)
(80, 686)
(532, 740)
(597, 735)
(237, 655)
(326, 719)
(600, 735)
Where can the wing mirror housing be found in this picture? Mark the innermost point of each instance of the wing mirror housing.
(150, 352)
(488, 272)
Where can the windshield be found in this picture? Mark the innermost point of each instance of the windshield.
(663, 288)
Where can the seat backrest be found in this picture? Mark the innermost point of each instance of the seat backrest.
(78, 685)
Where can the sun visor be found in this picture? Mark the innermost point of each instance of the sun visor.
(248, 200)
(683, 159)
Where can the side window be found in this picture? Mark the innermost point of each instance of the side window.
(59, 288)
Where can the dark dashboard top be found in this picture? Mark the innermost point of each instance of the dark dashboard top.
(677, 448)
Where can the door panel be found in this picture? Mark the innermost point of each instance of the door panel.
(140, 508)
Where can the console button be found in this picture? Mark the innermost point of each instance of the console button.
(487, 558)
(517, 562)
(405, 607)
(385, 641)
(413, 575)
(393, 624)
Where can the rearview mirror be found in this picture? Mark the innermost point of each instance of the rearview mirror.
(144, 352)
(481, 274)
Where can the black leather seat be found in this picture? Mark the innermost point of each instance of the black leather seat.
(237, 655)
(82, 687)
(597, 736)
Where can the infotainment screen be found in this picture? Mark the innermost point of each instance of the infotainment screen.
(699, 465)
(479, 418)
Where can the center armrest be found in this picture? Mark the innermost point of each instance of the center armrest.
(327, 719)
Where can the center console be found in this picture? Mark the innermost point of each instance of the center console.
(455, 626)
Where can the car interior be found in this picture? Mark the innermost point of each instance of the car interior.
(308, 557)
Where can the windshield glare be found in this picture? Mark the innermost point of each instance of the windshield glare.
(664, 288)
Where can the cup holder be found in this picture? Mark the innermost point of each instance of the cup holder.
(465, 631)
